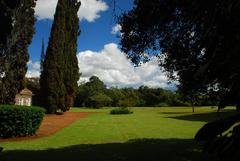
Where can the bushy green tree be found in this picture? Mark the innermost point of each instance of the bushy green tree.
(152, 96)
(197, 41)
(99, 100)
(95, 85)
(144, 96)
(116, 95)
(131, 98)
(92, 93)
(60, 71)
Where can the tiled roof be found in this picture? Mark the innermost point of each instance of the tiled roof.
(26, 91)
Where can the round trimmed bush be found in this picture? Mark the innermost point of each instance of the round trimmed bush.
(121, 110)
(162, 104)
(19, 120)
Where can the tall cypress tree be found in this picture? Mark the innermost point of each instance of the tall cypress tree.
(52, 86)
(71, 70)
(60, 61)
(42, 58)
(15, 48)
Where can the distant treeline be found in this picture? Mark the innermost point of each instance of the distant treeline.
(95, 94)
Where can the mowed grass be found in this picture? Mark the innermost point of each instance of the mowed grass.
(147, 134)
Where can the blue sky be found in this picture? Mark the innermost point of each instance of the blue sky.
(98, 45)
(94, 35)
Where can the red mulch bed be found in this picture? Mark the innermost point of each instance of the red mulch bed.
(52, 124)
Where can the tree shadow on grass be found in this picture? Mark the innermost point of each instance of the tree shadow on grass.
(175, 113)
(133, 150)
(205, 117)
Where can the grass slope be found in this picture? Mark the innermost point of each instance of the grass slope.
(148, 134)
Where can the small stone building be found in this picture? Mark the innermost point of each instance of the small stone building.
(24, 97)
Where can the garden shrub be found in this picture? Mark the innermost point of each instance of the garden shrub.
(120, 110)
(19, 120)
(162, 104)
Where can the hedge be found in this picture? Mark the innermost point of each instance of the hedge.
(16, 121)
(120, 110)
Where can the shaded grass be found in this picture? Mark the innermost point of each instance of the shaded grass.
(139, 150)
(205, 117)
(203, 114)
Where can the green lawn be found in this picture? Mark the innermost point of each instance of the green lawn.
(149, 134)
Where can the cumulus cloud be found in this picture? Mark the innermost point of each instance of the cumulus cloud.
(89, 10)
(45, 9)
(33, 69)
(114, 69)
(116, 29)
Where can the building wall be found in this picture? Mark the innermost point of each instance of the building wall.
(23, 100)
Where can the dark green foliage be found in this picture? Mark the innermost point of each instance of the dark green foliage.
(120, 110)
(5, 22)
(71, 70)
(17, 34)
(95, 85)
(52, 86)
(162, 104)
(1, 149)
(6, 14)
(176, 99)
(99, 100)
(42, 58)
(198, 45)
(19, 120)
(216, 128)
(116, 95)
(95, 94)
(33, 85)
(154, 96)
(92, 94)
(60, 70)
(82, 96)
(197, 40)
(131, 98)
(221, 143)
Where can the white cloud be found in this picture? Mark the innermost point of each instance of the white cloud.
(114, 69)
(89, 10)
(116, 29)
(33, 69)
(45, 9)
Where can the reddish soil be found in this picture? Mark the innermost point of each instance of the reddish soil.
(52, 124)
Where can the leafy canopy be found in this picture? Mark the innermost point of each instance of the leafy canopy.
(197, 43)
